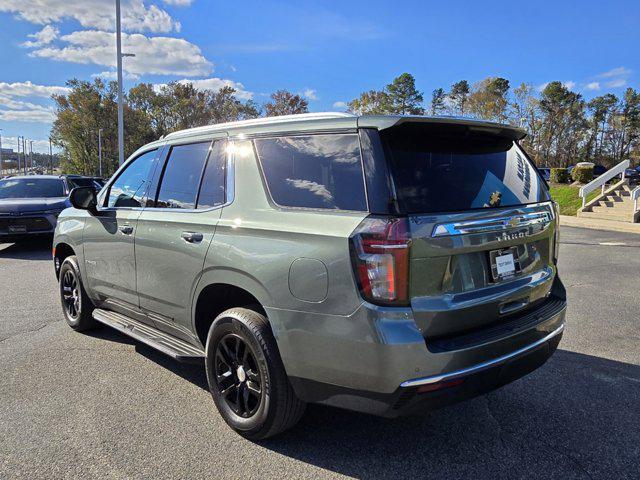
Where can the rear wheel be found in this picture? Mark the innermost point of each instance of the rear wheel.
(246, 376)
(76, 305)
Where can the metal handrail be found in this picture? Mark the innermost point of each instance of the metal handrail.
(602, 179)
(635, 195)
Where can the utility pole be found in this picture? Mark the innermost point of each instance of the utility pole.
(1, 162)
(100, 150)
(24, 155)
(31, 153)
(18, 152)
(50, 157)
(120, 55)
(120, 100)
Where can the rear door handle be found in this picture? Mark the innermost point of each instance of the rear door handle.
(192, 237)
(126, 229)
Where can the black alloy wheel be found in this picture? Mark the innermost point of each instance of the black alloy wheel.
(71, 295)
(238, 377)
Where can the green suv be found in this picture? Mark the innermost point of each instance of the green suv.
(383, 264)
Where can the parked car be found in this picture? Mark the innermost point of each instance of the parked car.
(383, 264)
(599, 170)
(633, 175)
(30, 205)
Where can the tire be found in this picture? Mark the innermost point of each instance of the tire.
(76, 304)
(242, 358)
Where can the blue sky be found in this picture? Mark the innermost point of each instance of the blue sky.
(330, 51)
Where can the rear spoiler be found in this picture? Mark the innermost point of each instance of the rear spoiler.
(383, 122)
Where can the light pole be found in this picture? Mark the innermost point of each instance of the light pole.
(119, 56)
(31, 153)
(18, 151)
(1, 162)
(50, 157)
(100, 150)
(24, 155)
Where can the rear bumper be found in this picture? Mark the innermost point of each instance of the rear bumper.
(377, 361)
(409, 399)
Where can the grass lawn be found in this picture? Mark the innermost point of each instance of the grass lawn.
(568, 199)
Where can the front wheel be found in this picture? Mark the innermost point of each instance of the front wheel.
(246, 376)
(76, 304)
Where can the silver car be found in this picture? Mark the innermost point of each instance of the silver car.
(383, 264)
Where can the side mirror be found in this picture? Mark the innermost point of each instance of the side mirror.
(83, 198)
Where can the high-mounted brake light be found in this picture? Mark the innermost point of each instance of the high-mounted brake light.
(380, 255)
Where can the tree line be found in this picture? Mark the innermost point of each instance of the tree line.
(149, 113)
(563, 128)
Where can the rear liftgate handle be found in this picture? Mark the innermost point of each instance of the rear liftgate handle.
(192, 237)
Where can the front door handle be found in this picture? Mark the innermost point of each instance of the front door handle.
(126, 229)
(192, 237)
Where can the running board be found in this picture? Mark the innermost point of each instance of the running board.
(169, 345)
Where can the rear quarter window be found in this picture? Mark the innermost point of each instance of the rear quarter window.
(321, 171)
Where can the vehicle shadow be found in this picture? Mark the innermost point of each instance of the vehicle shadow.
(193, 373)
(576, 417)
(36, 249)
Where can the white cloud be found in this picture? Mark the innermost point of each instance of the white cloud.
(615, 72)
(217, 83)
(113, 75)
(616, 77)
(28, 89)
(617, 83)
(153, 55)
(18, 111)
(542, 86)
(569, 84)
(592, 86)
(310, 94)
(100, 14)
(178, 3)
(340, 105)
(33, 116)
(44, 37)
(214, 84)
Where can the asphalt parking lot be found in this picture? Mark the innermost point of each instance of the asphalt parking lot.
(102, 406)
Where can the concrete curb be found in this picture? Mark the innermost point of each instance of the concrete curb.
(597, 224)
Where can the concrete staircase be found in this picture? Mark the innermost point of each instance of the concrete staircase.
(615, 204)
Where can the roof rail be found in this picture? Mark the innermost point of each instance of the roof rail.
(260, 121)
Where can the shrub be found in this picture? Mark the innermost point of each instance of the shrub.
(559, 175)
(582, 173)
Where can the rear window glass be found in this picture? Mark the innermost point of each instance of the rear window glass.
(31, 188)
(453, 173)
(314, 171)
(181, 177)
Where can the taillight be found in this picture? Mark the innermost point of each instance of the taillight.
(556, 233)
(380, 256)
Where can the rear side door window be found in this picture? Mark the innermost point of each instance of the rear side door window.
(212, 189)
(322, 171)
(181, 177)
(130, 187)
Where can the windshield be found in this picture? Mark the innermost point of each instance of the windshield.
(448, 171)
(31, 188)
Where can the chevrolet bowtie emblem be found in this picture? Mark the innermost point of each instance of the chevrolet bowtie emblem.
(513, 222)
(495, 199)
